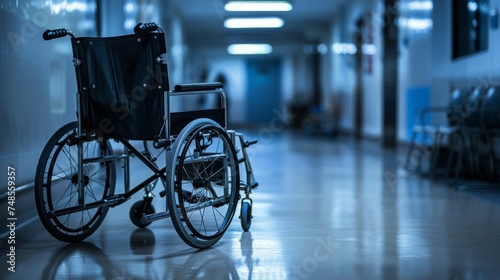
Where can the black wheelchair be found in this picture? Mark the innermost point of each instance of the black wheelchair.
(123, 98)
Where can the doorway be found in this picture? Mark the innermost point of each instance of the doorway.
(263, 90)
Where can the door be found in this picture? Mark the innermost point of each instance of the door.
(263, 90)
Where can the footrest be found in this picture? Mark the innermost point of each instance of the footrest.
(250, 143)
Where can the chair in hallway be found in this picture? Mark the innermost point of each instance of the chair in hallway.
(483, 129)
(465, 139)
(434, 138)
(490, 118)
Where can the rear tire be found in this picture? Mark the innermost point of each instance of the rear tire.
(202, 183)
(56, 184)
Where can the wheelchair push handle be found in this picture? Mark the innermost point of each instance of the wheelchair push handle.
(140, 28)
(143, 28)
(56, 33)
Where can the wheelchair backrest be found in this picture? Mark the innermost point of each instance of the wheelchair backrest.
(121, 82)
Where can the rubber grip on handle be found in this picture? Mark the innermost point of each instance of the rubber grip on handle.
(55, 33)
(143, 28)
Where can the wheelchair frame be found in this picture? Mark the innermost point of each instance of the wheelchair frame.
(76, 174)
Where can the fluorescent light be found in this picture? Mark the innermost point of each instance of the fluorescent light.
(322, 49)
(344, 48)
(472, 6)
(64, 6)
(258, 6)
(349, 48)
(266, 22)
(369, 49)
(236, 49)
(418, 5)
(419, 24)
(416, 23)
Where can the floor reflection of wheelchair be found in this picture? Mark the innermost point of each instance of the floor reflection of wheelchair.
(85, 260)
(184, 264)
(123, 96)
(210, 263)
(80, 261)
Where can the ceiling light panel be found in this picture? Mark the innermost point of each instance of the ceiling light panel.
(258, 6)
(249, 49)
(265, 22)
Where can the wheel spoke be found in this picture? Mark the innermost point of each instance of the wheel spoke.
(56, 185)
(206, 183)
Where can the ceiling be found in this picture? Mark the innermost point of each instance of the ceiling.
(202, 22)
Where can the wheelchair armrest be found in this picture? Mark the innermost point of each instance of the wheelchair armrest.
(198, 86)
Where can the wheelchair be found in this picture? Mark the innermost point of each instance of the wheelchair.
(123, 98)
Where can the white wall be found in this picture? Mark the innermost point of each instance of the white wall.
(37, 81)
(414, 65)
(372, 82)
(343, 79)
(415, 56)
(476, 69)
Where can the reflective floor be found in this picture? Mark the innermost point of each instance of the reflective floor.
(325, 209)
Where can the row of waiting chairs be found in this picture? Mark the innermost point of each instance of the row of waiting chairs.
(468, 134)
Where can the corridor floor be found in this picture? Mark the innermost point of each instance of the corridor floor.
(325, 209)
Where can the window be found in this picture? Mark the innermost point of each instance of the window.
(470, 27)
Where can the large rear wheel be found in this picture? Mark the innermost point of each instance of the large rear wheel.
(65, 210)
(202, 183)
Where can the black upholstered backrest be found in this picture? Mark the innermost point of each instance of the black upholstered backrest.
(121, 81)
(491, 108)
(457, 106)
(476, 99)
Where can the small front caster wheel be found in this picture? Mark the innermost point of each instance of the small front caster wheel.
(246, 214)
(137, 211)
